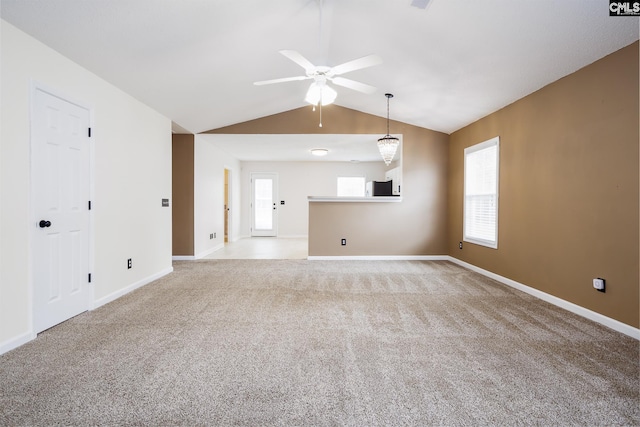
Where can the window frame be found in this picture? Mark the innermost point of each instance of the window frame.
(493, 142)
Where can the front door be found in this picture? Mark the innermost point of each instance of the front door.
(264, 187)
(60, 171)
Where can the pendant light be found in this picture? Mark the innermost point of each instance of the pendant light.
(388, 145)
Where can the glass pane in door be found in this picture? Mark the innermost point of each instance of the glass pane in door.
(263, 204)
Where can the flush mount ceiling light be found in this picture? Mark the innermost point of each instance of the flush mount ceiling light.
(319, 152)
(388, 145)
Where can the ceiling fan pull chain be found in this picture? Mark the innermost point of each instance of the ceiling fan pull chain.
(320, 104)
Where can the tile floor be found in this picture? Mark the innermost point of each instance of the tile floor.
(264, 248)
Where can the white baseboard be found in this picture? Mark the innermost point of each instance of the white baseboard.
(183, 258)
(140, 283)
(209, 251)
(16, 342)
(559, 302)
(381, 258)
(199, 255)
(279, 236)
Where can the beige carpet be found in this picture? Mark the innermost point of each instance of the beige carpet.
(296, 342)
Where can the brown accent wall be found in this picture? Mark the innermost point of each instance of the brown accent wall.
(182, 194)
(569, 186)
(415, 226)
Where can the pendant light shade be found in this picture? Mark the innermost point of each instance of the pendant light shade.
(388, 145)
(320, 93)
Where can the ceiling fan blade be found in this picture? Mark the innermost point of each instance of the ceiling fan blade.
(299, 59)
(356, 64)
(352, 84)
(282, 80)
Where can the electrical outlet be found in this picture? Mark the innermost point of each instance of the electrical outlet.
(598, 284)
(129, 263)
(211, 236)
(343, 242)
(460, 245)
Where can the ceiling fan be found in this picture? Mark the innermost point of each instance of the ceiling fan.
(319, 92)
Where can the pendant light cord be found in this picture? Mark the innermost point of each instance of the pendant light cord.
(389, 96)
(388, 114)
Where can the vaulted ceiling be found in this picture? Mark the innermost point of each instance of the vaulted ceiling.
(448, 62)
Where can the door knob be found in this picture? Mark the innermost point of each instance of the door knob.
(44, 223)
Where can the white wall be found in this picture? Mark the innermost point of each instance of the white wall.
(209, 165)
(296, 182)
(131, 170)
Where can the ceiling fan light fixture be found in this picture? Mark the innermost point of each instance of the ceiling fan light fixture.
(320, 93)
(388, 145)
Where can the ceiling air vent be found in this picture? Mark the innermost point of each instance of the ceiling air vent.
(420, 4)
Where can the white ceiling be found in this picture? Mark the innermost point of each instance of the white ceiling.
(448, 65)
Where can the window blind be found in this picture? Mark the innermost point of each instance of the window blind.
(481, 165)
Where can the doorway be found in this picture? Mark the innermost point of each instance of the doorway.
(264, 211)
(60, 191)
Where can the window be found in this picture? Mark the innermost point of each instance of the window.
(481, 165)
(351, 186)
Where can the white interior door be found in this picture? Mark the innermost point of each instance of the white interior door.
(60, 172)
(264, 209)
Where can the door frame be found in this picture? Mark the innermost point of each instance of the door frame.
(36, 86)
(275, 198)
(227, 202)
